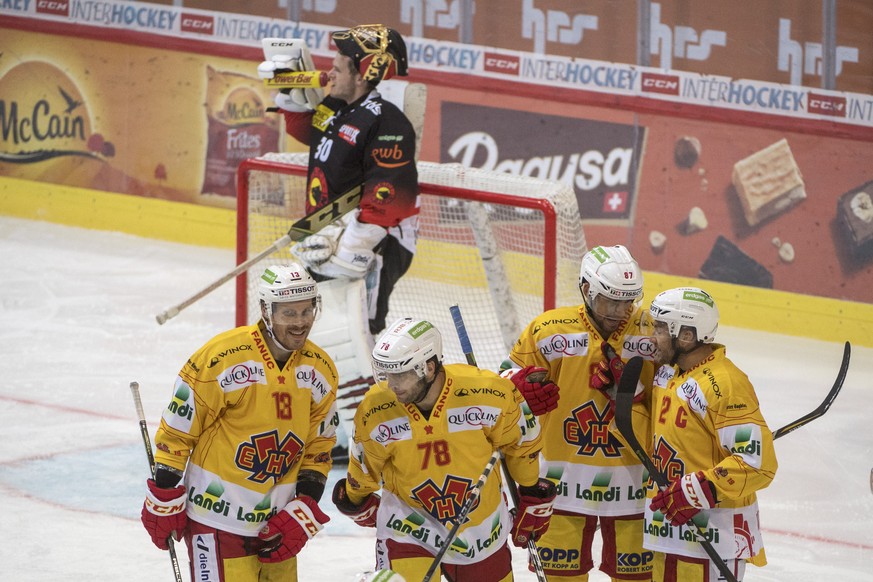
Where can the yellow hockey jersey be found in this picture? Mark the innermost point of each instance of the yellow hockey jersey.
(596, 473)
(242, 428)
(427, 465)
(708, 419)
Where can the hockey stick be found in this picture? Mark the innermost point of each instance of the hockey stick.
(467, 348)
(144, 430)
(472, 496)
(623, 402)
(826, 403)
(309, 224)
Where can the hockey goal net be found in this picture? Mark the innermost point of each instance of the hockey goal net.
(501, 247)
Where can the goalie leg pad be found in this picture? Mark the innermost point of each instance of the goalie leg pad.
(342, 330)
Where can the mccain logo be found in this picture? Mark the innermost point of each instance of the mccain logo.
(43, 116)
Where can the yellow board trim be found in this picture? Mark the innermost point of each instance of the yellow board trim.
(149, 217)
(745, 307)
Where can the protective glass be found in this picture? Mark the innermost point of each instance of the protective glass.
(298, 312)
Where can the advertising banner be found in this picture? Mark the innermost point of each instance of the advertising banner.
(599, 159)
(129, 119)
(742, 205)
(778, 41)
(781, 198)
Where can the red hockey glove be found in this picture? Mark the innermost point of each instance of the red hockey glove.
(684, 498)
(289, 530)
(363, 514)
(534, 512)
(606, 374)
(163, 513)
(539, 393)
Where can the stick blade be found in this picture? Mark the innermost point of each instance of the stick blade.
(828, 400)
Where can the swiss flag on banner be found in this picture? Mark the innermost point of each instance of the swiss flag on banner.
(614, 202)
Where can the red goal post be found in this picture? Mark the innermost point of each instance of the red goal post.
(502, 247)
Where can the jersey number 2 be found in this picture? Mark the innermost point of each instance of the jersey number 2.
(680, 413)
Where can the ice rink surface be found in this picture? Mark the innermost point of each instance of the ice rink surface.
(78, 325)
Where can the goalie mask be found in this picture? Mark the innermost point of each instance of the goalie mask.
(611, 272)
(377, 51)
(686, 307)
(406, 345)
(286, 284)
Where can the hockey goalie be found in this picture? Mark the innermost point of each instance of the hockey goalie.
(356, 136)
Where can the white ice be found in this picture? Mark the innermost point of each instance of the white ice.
(77, 309)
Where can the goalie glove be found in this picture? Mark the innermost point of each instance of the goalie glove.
(354, 252)
(317, 248)
(534, 512)
(293, 100)
(163, 513)
(281, 64)
(363, 514)
(684, 498)
(540, 393)
(288, 531)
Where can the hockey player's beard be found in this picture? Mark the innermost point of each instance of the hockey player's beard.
(425, 387)
(663, 356)
(417, 396)
(660, 357)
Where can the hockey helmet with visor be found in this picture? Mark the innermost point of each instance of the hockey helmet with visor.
(615, 281)
(286, 284)
(690, 307)
(407, 345)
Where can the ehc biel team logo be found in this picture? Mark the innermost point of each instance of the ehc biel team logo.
(588, 428)
(265, 458)
(444, 502)
(667, 460)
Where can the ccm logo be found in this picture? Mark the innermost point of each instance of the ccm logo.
(496, 63)
(197, 23)
(667, 84)
(827, 105)
(56, 7)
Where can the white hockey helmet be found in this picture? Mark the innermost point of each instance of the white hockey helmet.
(611, 272)
(686, 306)
(286, 284)
(407, 344)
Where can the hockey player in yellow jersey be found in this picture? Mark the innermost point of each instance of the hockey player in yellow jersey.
(424, 433)
(579, 350)
(710, 440)
(243, 449)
